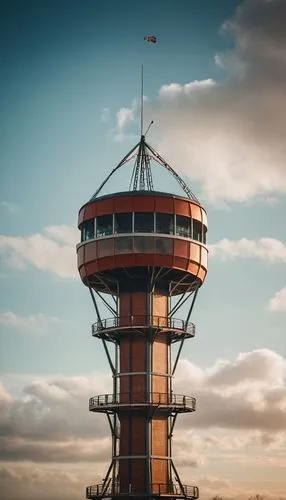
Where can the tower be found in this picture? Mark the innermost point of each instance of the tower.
(143, 254)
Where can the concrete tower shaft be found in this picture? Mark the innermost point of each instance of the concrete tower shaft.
(143, 254)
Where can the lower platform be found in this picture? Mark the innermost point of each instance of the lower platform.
(112, 329)
(168, 491)
(170, 403)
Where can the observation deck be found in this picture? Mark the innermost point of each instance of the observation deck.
(163, 402)
(132, 239)
(111, 329)
(156, 490)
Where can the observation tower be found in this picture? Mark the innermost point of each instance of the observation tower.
(143, 255)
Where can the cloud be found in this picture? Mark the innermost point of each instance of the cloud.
(64, 234)
(52, 251)
(69, 484)
(5, 397)
(124, 116)
(240, 418)
(268, 249)
(230, 135)
(54, 410)
(176, 89)
(34, 323)
(53, 482)
(222, 488)
(197, 444)
(249, 393)
(261, 366)
(70, 451)
(278, 302)
(245, 395)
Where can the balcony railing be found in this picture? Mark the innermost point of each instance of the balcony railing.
(125, 322)
(155, 489)
(179, 401)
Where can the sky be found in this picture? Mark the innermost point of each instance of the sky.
(215, 85)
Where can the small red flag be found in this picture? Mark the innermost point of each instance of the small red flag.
(152, 39)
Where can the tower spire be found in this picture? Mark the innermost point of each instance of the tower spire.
(142, 98)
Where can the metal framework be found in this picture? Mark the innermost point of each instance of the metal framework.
(169, 404)
(141, 178)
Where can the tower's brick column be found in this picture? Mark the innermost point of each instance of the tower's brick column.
(146, 365)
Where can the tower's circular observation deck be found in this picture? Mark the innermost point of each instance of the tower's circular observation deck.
(134, 238)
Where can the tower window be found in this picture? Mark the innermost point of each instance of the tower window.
(123, 223)
(124, 244)
(104, 225)
(144, 222)
(144, 244)
(88, 230)
(164, 223)
(204, 234)
(183, 226)
(164, 246)
(105, 248)
(197, 231)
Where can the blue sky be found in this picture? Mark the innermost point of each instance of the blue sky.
(64, 63)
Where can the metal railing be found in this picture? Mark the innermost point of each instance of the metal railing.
(153, 398)
(143, 320)
(156, 489)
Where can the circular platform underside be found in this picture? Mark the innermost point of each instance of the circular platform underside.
(135, 279)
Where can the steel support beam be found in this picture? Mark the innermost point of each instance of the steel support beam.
(177, 477)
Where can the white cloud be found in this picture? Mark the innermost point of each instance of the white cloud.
(260, 366)
(63, 234)
(249, 393)
(278, 302)
(34, 323)
(52, 251)
(176, 89)
(268, 249)
(230, 136)
(124, 116)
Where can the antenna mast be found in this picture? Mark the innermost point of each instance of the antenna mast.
(141, 178)
(142, 97)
